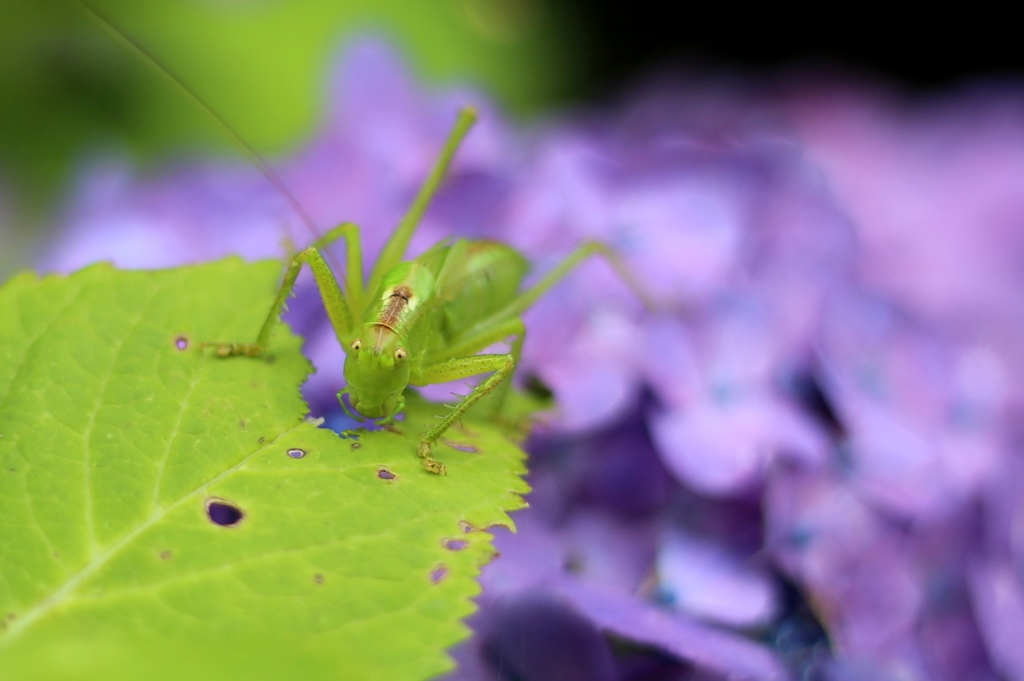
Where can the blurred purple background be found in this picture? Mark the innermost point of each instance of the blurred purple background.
(805, 463)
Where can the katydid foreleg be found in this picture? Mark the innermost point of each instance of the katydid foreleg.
(453, 370)
(485, 336)
(341, 310)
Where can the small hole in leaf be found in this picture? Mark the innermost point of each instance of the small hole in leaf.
(461, 447)
(165, 555)
(385, 474)
(466, 527)
(438, 573)
(224, 513)
(296, 453)
(181, 342)
(318, 578)
(455, 544)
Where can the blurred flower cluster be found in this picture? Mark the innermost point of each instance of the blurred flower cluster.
(803, 463)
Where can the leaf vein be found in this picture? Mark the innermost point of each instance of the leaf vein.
(62, 593)
(90, 521)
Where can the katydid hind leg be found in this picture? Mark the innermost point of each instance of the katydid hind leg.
(527, 298)
(340, 308)
(394, 249)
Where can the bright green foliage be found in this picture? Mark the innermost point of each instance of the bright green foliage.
(65, 84)
(351, 561)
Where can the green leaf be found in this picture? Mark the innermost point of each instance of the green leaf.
(348, 559)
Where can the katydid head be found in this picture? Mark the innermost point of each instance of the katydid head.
(377, 372)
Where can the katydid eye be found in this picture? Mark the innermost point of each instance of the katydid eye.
(400, 353)
(356, 344)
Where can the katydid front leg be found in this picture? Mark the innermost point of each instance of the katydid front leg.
(485, 335)
(453, 370)
(341, 309)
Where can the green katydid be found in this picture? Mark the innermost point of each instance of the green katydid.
(425, 319)
(414, 322)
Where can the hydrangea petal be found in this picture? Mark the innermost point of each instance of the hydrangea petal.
(998, 599)
(729, 655)
(703, 580)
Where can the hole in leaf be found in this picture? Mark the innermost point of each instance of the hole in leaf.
(466, 527)
(224, 513)
(165, 555)
(181, 342)
(455, 544)
(296, 453)
(461, 447)
(385, 474)
(318, 578)
(439, 572)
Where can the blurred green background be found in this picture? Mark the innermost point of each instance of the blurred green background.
(69, 87)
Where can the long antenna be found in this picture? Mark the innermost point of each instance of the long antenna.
(122, 37)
